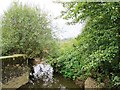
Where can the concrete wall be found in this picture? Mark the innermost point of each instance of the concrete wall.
(15, 71)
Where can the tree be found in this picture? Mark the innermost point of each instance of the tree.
(26, 30)
(78, 11)
(100, 40)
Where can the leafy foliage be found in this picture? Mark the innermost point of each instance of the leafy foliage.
(97, 52)
(26, 30)
(67, 61)
(78, 11)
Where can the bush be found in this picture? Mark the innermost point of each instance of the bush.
(26, 30)
(97, 52)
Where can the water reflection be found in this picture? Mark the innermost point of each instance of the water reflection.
(58, 82)
(44, 77)
(42, 71)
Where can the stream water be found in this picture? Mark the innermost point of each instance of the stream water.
(58, 82)
(43, 76)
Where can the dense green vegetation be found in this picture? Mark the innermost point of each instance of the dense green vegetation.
(97, 52)
(26, 30)
(94, 53)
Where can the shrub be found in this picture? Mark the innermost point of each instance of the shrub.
(26, 30)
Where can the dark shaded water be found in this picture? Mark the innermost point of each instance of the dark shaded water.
(58, 82)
